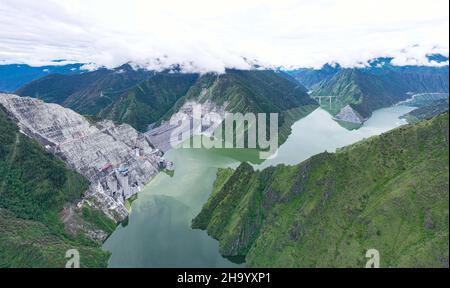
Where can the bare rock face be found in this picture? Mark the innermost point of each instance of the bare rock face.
(117, 160)
(210, 114)
(348, 114)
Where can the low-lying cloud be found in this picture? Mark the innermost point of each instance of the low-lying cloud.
(212, 35)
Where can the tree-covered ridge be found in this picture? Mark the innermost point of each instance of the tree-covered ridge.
(368, 89)
(86, 93)
(34, 188)
(149, 100)
(389, 193)
(253, 91)
(428, 111)
(13, 76)
(141, 97)
(264, 91)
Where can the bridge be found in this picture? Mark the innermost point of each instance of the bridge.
(329, 98)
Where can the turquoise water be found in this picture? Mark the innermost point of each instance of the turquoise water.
(158, 233)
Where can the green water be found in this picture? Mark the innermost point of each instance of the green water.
(158, 232)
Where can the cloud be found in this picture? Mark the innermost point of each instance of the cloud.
(211, 35)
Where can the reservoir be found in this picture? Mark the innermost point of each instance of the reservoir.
(158, 232)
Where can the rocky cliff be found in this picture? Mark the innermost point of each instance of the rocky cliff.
(35, 189)
(239, 91)
(348, 114)
(116, 159)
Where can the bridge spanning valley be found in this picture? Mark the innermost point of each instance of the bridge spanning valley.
(331, 100)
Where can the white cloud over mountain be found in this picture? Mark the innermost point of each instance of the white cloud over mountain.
(211, 35)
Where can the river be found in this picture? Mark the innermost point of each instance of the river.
(158, 232)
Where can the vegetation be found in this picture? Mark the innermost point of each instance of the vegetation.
(260, 91)
(427, 111)
(13, 76)
(371, 88)
(311, 78)
(140, 97)
(389, 193)
(33, 244)
(34, 187)
(149, 100)
(133, 198)
(99, 219)
(86, 93)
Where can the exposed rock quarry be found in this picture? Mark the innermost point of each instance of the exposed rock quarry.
(348, 114)
(210, 114)
(117, 160)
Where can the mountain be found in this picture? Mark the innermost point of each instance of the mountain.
(241, 91)
(35, 187)
(427, 112)
(428, 106)
(369, 89)
(310, 77)
(86, 93)
(141, 97)
(389, 193)
(357, 92)
(116, 159)
(149, 100)
(13, 76)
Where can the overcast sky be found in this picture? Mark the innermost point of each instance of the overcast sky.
(213, 34)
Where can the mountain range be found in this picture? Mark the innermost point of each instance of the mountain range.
(140, 97)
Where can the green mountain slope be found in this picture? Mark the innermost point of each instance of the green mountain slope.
(254, 91)
(388, 193)
(310, 77)
(149, 100)
(13, 76)
(428, 111)
(86, 93)
(34, 187)
(140, 97)
(251, 91)
(372, 88)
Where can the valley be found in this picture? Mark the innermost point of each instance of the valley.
(225, 141)
(389, 192)
(158, 231)
(352, 94)
(124, 140)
